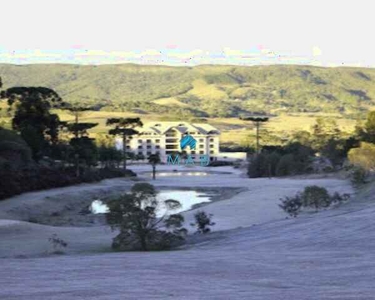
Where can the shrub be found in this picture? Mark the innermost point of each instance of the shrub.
(363, 157)
(58, 244)
(338, 198)
(315, 196)
(220, 163)
(202, 222)
(359, 176)
(312, 196)
(291, 205)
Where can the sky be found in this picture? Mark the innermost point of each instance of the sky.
(179, 32)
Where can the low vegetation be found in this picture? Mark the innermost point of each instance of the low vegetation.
(58, 244)
(202, 222)
(313, 197)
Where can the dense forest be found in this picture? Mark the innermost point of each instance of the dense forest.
(204, 91)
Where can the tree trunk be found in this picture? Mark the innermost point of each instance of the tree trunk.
(153, 172)
(76, 122)
(257, 126)
(77, 164)
(124, 150)
(143, 243)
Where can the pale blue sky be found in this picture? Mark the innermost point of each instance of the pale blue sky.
(327, 33)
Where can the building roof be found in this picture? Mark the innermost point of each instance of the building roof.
(183, 127)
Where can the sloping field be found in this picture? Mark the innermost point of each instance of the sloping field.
(325, 255)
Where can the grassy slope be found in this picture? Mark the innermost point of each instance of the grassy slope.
(295, 93)
(213, 90)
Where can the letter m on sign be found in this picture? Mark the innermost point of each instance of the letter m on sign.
(176, 160)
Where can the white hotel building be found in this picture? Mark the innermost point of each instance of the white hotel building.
(163, 138)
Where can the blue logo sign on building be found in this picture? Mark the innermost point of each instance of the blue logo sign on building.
(187, 141)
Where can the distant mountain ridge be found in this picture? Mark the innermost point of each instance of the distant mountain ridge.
(207, 90)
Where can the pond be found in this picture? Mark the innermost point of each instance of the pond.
(187, 199)
(177, 173)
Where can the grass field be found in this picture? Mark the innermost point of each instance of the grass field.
(233, 130)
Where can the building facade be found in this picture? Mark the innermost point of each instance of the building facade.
(164, 138)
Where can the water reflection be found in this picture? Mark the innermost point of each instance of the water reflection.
(186, 198)
(167, 174)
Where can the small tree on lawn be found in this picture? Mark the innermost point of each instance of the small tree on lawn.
(135, 215)
(125, 128)
(154, 159)
(202, 222)
(315, 196)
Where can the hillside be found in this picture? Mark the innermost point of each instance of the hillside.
(209, 90)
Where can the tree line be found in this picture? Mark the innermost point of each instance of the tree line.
(326, 148)
(41, 151)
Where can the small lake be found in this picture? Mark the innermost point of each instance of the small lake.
(177, 173)
(187, 199)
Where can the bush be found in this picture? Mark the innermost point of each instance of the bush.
(359, 176)
(338, 198)
(312, 196)
(58, 244)
(315, 196)
(363, 157)
(291, 205)
(220, 163)
(202, 222)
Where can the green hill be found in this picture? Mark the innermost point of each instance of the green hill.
(208, 90)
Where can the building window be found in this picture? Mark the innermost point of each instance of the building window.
(211, 146)
(127, 147)
(211, 140)
(201, 152)
(201, 140)
(139, 141)
(171, 140)
(157, 152)
(157, 147)
(193, 152)
(148, 141)
(212, 152)
(157, 141)
(139, 147)
(149, 147)
(201, 146)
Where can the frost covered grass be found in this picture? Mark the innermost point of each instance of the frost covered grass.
(253, 252)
